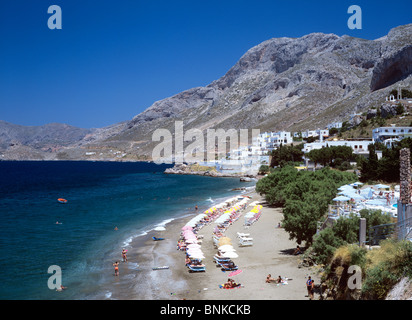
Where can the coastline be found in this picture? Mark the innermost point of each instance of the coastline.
(271, 253)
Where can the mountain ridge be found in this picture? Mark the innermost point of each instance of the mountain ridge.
(279, 84)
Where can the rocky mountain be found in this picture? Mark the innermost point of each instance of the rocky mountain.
(37, 142)
(280, 84)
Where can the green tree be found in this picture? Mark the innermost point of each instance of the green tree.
(285, 154)
(325, 244)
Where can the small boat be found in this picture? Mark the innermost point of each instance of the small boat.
(157, 239)
(61, 200)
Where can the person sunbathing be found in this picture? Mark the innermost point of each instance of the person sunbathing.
(230, 283)
(187, 261)
(229, 264)
(269, 279)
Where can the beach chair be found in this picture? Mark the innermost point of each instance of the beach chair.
(228, 266)
(219, 260)
(244, 242)
(242, 235)
(196, 268)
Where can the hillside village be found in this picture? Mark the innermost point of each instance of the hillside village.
(384, 126)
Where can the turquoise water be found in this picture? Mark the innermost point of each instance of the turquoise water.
(134, 197)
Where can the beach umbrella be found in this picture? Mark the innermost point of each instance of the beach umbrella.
(194, 251)
(230, 255)
(356, 196)
(345, 187)
(226, 248)
(343, 193)
(382, 186)
(186, 227)
(356, 184)
(224, 240)
(196, 255)
(194, 245)
(367, 193)
(341, 198)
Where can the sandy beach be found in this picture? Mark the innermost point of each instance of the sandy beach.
(271, 253)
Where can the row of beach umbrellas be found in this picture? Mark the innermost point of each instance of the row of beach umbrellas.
(347, 192)
(193, 247)
(253, 214)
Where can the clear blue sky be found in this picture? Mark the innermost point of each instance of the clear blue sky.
(113, 59)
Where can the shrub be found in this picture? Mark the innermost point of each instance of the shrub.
(324, 245)
(264, 169)
(385, 266)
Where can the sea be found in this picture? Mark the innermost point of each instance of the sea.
(109, 205)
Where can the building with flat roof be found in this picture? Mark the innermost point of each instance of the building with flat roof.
(272, 140)
(359, 147)
(382, 134)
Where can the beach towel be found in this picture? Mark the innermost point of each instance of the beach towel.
(238, 286)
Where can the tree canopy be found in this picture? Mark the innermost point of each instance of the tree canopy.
(386, 168)
(304, 195)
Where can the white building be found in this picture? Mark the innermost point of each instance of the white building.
(391, 134)
(358, 146)
(269, 141)
(319, 133)
(336, 125)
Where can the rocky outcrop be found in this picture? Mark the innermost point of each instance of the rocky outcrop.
(395, 63)
(392, 69)
(195, 170)
(401, 291)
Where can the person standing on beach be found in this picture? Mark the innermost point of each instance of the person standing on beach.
(309, 286)
(116, 268)
(124, 255)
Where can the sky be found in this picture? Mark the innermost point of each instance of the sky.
(111, 60)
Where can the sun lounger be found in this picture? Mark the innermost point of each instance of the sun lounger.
(242, 235)
(196, 268)
(227, 263)
(243, 242)
(229, 267)
(220, 260)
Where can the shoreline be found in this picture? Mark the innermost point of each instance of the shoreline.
(270, 254)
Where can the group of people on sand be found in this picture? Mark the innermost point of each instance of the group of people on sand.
(230, 283)
(310, 284)
(269, 279)
(116, 264)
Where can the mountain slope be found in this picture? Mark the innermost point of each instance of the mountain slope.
(35, 142)
(280, 84)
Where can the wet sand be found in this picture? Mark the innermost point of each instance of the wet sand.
(271, 253)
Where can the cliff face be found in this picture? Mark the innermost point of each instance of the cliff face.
(280, 84)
